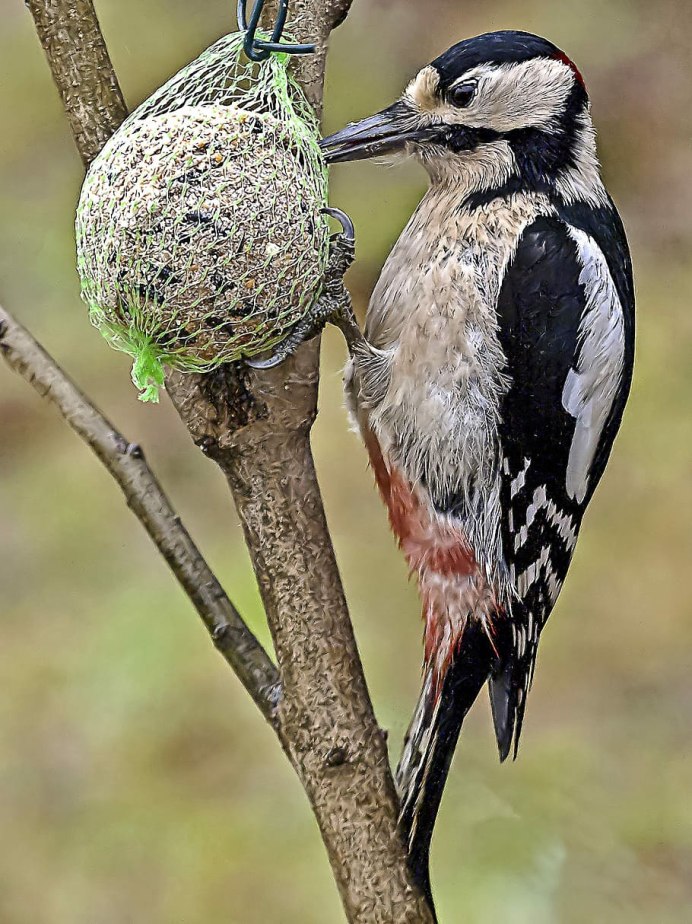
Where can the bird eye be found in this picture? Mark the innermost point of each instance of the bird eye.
(462, 94)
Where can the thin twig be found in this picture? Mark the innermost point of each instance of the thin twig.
(145, 497)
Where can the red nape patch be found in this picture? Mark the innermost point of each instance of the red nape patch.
(561, 56)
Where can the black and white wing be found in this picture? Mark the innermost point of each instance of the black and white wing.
(566, 327)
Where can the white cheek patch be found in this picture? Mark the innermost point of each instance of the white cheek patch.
(531, 94)
(592, 384)
(422, 91)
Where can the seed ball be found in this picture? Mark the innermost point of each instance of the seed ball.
(199, 231)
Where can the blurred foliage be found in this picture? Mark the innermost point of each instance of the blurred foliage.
(137, 782)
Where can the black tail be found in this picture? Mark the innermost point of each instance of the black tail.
(510, 683)
(430, 743)
(507, 701)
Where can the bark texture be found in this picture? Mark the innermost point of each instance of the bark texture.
(325, 719)
(256, 427)
(71, 37)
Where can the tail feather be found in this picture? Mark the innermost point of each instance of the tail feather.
(431, 740)
(509, 685)
(504, 708)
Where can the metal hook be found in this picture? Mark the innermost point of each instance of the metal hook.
(258, 49)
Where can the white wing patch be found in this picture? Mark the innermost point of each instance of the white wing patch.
(591, 385)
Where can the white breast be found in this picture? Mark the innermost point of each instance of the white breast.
(432, 387)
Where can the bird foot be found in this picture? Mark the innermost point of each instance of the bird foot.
(333, 306)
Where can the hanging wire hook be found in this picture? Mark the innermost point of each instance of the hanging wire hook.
(258, 49)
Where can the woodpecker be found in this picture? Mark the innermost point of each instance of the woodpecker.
(492, 380)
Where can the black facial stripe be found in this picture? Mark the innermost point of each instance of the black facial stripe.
(540, 153)
(513, 185)
(540, 156)
(459, 138)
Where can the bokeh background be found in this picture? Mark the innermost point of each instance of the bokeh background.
(137, 782)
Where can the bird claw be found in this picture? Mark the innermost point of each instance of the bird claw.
(298, 334)
(270, 362)
(333, 305)
(349, 231)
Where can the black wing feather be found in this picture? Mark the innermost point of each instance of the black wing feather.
(540, 307)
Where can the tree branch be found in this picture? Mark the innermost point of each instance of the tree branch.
(339, 10)
(145, 497)
(71, 37)
(256, 427)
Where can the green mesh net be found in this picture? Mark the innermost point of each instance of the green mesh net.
(200, 236)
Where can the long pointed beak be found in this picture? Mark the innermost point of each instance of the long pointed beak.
(383, 133)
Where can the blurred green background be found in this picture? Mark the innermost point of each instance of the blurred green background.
(137, 781)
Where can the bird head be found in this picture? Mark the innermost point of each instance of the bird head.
(498, 107)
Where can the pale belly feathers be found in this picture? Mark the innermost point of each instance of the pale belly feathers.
(431, 386)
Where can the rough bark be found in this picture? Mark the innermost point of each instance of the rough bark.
(256, 427)
(71, 37)
(325, 719)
